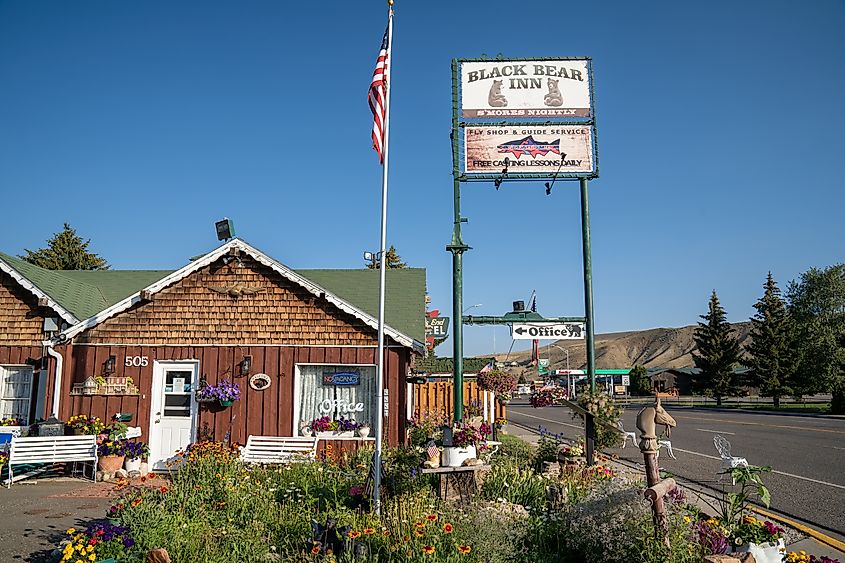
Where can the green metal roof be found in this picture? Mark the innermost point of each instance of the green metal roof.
(404, 302)
(431, 364)
(85, 293)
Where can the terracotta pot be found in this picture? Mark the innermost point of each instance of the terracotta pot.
(110, 463)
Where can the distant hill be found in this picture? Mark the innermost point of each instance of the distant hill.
(653, 348)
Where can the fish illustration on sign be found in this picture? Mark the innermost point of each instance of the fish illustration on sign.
(528, 145)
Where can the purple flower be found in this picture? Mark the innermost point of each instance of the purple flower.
(223, 391)
(711, 537)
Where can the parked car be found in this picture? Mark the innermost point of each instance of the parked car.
(523, 389)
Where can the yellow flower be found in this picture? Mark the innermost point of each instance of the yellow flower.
(687, 519)
(89, 549)
(70, 531)
(464, 549)
(92, 557)
(428, 549)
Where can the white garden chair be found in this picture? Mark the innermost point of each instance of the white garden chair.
(626, 435)
(728, 461)
(664, 443)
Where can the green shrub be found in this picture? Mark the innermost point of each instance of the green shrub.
(513, 449)
(514, 484)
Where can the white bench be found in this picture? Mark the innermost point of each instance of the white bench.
(52, 449)
(279, 449)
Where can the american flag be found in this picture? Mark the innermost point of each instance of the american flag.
(432, 451)
(378, 95)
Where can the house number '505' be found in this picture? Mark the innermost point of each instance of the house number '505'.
(137, 361)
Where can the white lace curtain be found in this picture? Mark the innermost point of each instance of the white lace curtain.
(317, 399)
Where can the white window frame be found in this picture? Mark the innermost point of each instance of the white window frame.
(297, 386)
(4, 371)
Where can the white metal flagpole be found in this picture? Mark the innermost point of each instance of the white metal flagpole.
(382, 267)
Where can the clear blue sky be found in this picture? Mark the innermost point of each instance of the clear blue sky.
(720, 137)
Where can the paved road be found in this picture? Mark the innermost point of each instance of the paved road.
(807, 454)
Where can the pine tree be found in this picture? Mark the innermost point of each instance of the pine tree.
(394, 262)
(66, 251)
(716, 354)
(640, 380)
(768, 354)
(817, 307)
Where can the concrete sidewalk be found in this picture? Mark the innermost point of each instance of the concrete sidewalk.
(36, 514)
(702, 500)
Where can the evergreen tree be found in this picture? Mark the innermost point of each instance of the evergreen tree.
(394, 262)
(66, 251)
(768, 354)
(716, 354)
(817, 306)
(640, 381)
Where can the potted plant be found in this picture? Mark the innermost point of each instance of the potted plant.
(225, 393)
(135, 453)
(761, 538)
(502, 383)
(465, 440)
(111, 455)
(340, 428)
(363, 429)
(305, 428)
(82, 424)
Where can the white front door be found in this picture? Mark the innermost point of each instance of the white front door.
(173, 418)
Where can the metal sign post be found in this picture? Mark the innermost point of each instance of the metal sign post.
(523, 119)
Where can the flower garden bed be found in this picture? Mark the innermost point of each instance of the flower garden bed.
(216, 509)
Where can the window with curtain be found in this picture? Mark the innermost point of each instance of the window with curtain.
(330, 390)
(15, 391)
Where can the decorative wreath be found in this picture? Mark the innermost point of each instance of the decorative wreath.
(259, 381)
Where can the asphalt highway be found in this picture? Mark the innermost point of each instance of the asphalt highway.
(806, 454)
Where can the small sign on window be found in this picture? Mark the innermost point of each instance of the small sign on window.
(342, 378)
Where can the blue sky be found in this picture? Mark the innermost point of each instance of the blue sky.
(719, 128)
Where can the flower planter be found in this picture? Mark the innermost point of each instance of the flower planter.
(765, 552)
(227, 403)
(133, 464)
(336, 434)
(455, 457)
(78, 432)
(110, 463)
(363, 431)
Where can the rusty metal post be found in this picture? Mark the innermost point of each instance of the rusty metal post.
(647, 421)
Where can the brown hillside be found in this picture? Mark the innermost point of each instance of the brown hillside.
(656, 347)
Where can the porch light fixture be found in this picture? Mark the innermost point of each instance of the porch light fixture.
(108, 365)
(225, 229)
(246, 365)
(373, 258)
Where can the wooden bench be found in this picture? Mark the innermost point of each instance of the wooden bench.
(53, 449)
(279, 449)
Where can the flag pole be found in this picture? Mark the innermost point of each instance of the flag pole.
(382, 267)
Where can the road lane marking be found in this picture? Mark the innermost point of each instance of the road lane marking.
(810, 479)
(579, 427)
(828, 430)
(838, 448)
(716, 431)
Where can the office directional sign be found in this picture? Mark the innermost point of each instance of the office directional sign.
(540, 331)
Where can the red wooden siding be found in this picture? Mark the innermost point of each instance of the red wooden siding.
(267, 412)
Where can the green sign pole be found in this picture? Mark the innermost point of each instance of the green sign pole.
(457, 248)
(588, 311)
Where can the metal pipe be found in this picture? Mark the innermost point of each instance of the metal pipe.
(57, 383)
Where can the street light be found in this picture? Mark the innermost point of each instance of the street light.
(472, 307)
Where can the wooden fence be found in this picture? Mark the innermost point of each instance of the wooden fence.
(438, 397)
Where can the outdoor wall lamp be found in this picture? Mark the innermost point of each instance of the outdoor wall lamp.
(246, 365)
(108, 365)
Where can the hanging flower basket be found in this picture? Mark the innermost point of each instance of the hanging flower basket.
(224, 393)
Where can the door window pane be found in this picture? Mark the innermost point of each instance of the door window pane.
(332, 391)
(177, 393)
